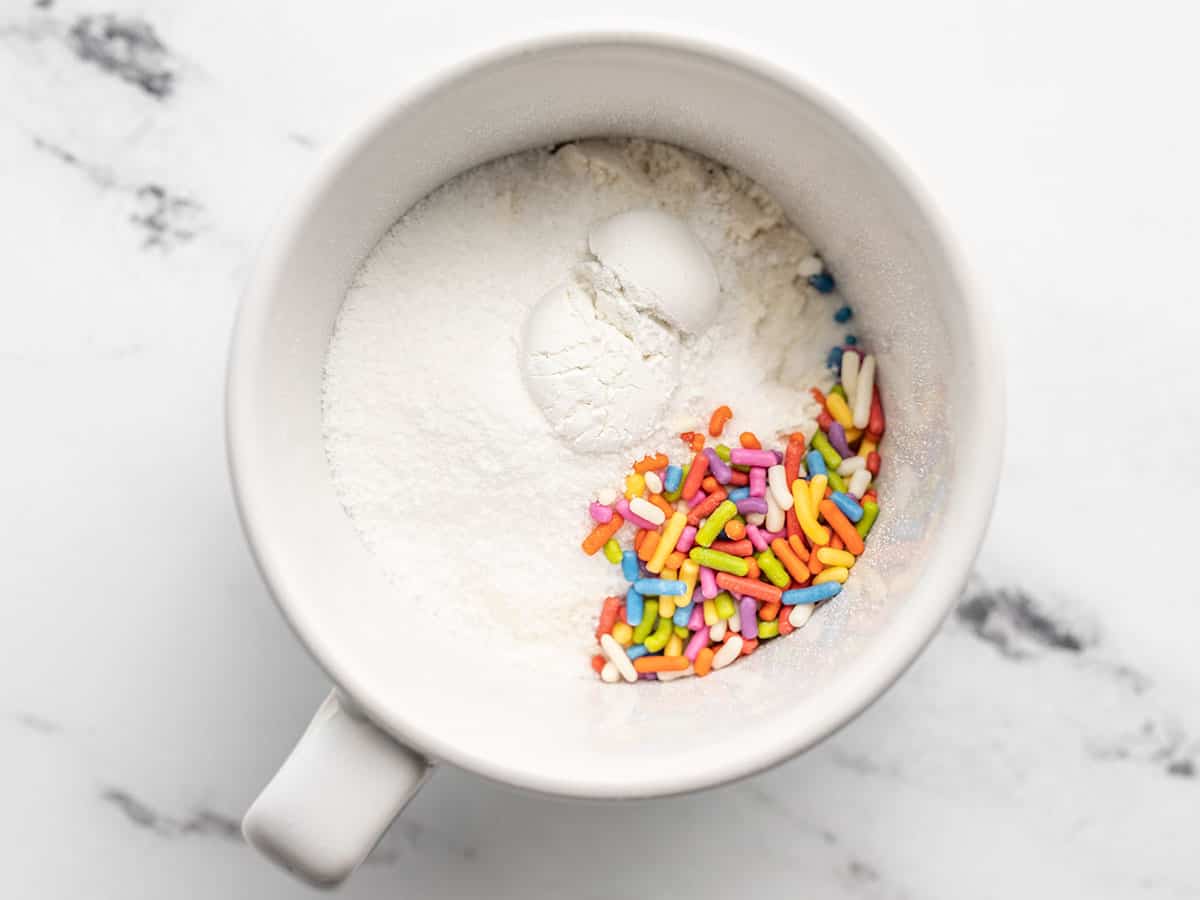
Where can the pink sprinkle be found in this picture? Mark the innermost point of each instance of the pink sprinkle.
(696, 619)
(686, 540)
(744, 456)
(758, 482)
(698, 642)
(698, 497)
(600, 513)
(648, 676)
(623, 509)
(756, 538)
(708, 583)
(773, 535)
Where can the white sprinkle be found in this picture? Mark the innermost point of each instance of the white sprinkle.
(653, 483)
(717, 632)
(859, 482)
(850, 363)
(862, 394)
(850, 465)
(775, 517)
(609, 674)
(777, 481)
(800, 614)
(729, 651)
(809, 266)
(617, 656)
(735, 621)
(671, 676)
(606, 496)
(755, 518)
(643, 508)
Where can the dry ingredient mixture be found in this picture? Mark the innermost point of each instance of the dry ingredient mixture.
(534, 324)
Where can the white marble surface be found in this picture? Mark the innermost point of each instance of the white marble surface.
(1048, 743)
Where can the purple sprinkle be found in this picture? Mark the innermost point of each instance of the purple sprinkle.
(744, 456)
(697, 499)
(686, 540)
(648, 676)
(708, 583)
(696, 619)
(756, 538)
(837, 437)
(758, 482)
(773, 535)
(698, 642)
(748, 611)
(752, 505)
(600, 513)
(633, 518)
(718, 467)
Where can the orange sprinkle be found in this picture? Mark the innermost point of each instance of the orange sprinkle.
(659, 501)
(735, 529)
(796, 542)
(601, 533)
(709, 484)
(791, 561)
(751, 587)
(716, 424)
(608, 615)
(661, 663)
(815, 565)
(837, 543)
(675, 560)
(752, 567)
(748, 647)
(706, 506)
(738, 479)
(841, 526)
(697, 442)
(749, 440)
(649, 545)
(651, 463)
(598, 662)
(639, 537)
(818, 396)
(703, 663)
(768, 611)
(785, 625)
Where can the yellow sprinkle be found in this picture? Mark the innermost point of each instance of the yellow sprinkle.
(833, 573)
(817, 534)
(635, 485)
(688, 573)
(623, 634)
(832, 557)
(674, 646)
(666, 544)
(840, 410)
(867, 447)
(666, 607)
(710, 613)
(816, 493)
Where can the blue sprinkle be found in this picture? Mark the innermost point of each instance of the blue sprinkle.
(822, 282)
(815, 463)
(848, 505)
(660, 587)
(851, 340)
(814, 594)
(683, 614)
(843, 314)
(673, 478)
(635, 605)
(834, 359)
(629, 566)
(640, 649)
(739, 494)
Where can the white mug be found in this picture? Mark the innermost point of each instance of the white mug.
(407, 692)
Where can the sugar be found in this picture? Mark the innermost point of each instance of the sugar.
(442, 459)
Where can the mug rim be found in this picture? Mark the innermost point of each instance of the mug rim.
(867, 677)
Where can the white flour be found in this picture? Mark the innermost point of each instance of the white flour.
(444, 461)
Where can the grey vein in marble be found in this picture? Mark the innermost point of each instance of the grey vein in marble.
(203, 821)
(1012, 621)
(126, 47)
(37, 723)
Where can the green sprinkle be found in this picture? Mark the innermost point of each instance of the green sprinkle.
(768, 629)
(722, 562)
(773, 569)
(715, 523)
(674, 495)
(836, 481)
(612, 551)
(649, 620)
(821, 444)
(681, 631)
(840, 391)
(725, 605)
(723, 452)
(870, 512)
(661, 635)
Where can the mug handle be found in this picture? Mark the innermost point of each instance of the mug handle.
(334, 796)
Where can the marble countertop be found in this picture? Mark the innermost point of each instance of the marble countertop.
(1046, 745)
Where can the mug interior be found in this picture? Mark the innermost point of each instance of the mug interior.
(532, 712)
